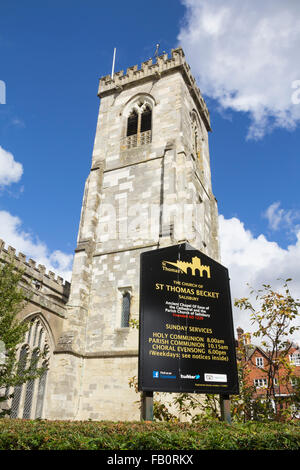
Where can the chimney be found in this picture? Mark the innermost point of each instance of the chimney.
(243, 338)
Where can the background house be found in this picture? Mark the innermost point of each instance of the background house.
(258, 373)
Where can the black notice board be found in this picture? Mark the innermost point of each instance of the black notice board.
(186, 338)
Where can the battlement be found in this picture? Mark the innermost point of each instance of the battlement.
(37, 272)
(149, 70)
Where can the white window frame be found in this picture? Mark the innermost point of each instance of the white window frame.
(259, 361)
(260, 383)
(295, 359)
(293, 381)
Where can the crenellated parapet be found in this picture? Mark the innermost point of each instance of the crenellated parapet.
(149, 71)
(48, 289)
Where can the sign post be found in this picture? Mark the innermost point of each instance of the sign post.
(186, 338)
(147, 406)
(225, 408)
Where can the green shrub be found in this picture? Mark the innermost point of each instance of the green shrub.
(87, 435)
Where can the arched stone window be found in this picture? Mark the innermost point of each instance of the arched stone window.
(125, 314)
(198, 141)
(138, 113)
(28, 398)
(197, 138)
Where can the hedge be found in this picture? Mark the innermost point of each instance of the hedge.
(18, 434)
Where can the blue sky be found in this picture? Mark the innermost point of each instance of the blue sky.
(246, 62)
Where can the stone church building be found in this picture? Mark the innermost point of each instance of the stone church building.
(149, 187)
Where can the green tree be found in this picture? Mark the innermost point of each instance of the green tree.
(13, 299)
(274, 320)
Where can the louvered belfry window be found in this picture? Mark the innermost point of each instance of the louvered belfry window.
(132, 124)
(139, 126)
(146, 119)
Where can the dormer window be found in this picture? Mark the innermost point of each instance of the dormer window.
(259, 361)
(139, 125)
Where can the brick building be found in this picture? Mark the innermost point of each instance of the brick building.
(256, 361)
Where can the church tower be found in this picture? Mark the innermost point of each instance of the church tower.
(149, 187)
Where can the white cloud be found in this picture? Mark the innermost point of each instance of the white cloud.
(11, 226)
(274, 215)
(280, 218)
(10, 170)
(12, 233)
(255, 260)
(245, 54)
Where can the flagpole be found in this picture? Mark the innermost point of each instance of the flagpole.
(113, 64)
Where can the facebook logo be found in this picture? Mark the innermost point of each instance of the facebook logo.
(155, 374)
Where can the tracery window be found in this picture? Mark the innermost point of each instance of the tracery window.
(28, 398)
(139, 125)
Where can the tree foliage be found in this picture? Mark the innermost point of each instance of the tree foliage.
(275, 321)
